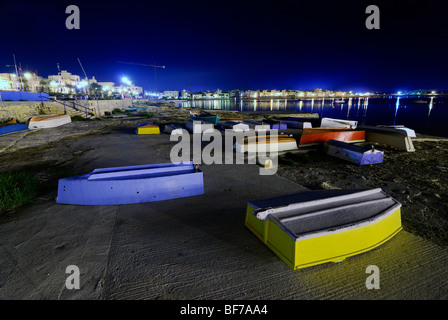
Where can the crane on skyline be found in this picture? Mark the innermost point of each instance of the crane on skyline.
(147, 65)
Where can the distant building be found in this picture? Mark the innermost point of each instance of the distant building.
(9, 81)
(170, 94)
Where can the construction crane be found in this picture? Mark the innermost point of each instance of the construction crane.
(147, 65)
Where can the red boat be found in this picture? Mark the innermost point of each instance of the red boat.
(311, 136)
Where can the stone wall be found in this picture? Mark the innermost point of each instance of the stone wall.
(23, 110)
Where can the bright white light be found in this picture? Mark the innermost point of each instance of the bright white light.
(13, 75)
(399, 92)
(27, 75)
(53, 84)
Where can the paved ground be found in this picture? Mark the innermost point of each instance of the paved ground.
(191, 248)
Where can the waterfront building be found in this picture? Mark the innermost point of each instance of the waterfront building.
(170, 94)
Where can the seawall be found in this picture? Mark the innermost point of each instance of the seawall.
(23, 110)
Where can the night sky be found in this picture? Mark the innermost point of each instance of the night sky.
(246, 44)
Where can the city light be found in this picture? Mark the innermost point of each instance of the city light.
(126, 81)
(27, 75)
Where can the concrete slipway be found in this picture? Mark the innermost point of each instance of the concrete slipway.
(191, 248)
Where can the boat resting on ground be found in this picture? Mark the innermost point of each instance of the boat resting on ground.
(204, 116)
(293, 124)
(257, 125)
(147, 128)
(354, 153)
(315, 227)
(49, 121)
(134, 184)
(6, 128)
(338, 123)
(389, 136)
(236, 126)
(173, 129)
(410, 132)
(313, 136)
(266, 143)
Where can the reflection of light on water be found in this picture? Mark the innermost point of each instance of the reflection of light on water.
(286, 103)
(278, 104)
(430, 106)
(312, 104)
(255, 104)
(300, 105)
(272, 102)
(349, 106)
(397, 105)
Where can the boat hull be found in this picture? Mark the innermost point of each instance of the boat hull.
(135, 184)
(49, 121)
(338, 123)
(318, 136)
(347, 230)
(389, 136)
(146, 128)
(264, 144)
(352, 153)
(196, 126)
(11, 128)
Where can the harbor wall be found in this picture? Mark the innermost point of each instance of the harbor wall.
(23, 110)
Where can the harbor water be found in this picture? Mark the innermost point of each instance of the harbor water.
(424, 114)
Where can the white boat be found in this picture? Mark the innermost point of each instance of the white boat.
(196, 126)
(236, 126)
(338, 123)
(49, 121)
(410, 132)
(389, 136)
(266, 143)
(339, 101)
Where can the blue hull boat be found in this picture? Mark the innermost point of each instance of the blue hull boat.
(10, 128)
(134, 184)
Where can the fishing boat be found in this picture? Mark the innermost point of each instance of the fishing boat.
(132, 184)
(316, 227)
(257, 125)
(236, 126)
(266, 143)
(6, 128)
(49, 121)
(204, 116)
(389, 136)
(339, 101)
(147, 128)
(292, 124)
(353, 153)
(173, 129)
(338, 123)
(199, 126)
(410, 132)
(314, 136)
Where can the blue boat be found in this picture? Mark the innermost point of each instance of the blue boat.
(133, 184)
(10, 128)
(353, 153)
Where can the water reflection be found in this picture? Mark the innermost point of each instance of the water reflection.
(397, 105)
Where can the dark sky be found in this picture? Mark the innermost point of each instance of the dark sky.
(243, 44)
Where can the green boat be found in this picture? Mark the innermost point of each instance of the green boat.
(204, 116)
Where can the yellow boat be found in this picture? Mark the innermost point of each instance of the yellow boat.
(315, 227)
(146, 128)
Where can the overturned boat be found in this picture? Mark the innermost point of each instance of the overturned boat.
(147, 128)
(199, 126)
(389, 136)
(353, 153)
(338, 123)
(313, 136)
(134, 184)
(315, 227)
(266, 143)
(293, 124)
(6, 128)
(173, 129)
(49, 121)
(410, 132)
(204, 116)
(257, 125)
(236, 126)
